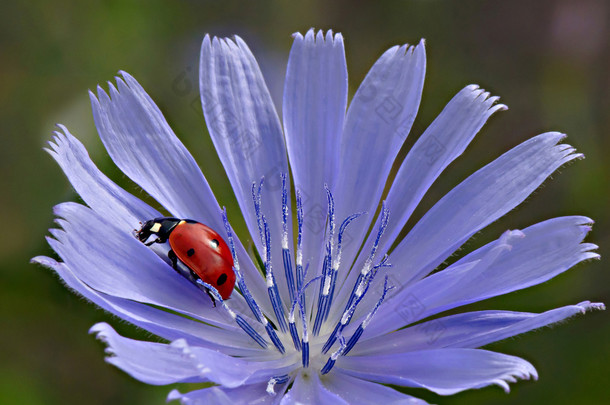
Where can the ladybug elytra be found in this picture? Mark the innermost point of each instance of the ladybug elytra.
(196, 251)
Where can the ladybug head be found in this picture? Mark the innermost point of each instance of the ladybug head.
(148, 228)
(161, 227)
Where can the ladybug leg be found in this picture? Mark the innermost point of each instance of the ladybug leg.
(181, 268)
(186, 272)
(211, 297)
(173, 259)
(158, 240)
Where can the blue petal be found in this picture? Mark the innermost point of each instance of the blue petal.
(362, 392)
(482, 198)
(106, 198)
(158, 363)
(315, 99)
(144, 147)
(378, 121)
(307, 389)
(158, 322)
(233, 372)
(115, 263)
(467, 330)
(442, 142)
(149, 362)
(246, 132)
(443, 371)
(253, 394)
(479, 200)
(519, 259)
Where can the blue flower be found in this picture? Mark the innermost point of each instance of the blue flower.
(339, 304)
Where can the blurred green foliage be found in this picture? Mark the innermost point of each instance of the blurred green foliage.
(549, 60)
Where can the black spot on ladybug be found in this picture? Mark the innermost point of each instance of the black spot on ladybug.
(190, 252)
(221, 279)
(214, 243)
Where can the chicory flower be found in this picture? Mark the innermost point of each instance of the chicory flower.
(335, 304)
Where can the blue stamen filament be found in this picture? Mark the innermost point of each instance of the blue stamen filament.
(274, 295)
(238, 318)
(263, 228)
(325, 283)
(299, 258)
(287, 259)
(322, 298)
(240, 278)
(246, 293)
(294, 333)
(354, 339)
(256, 197)
(296, 286)
(334, 266)
(291, 320)
(333, 358)
(304, 339)
(345, 348)
(385, 215)
(361, 290)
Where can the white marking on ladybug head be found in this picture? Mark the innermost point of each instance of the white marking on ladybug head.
(156, 227)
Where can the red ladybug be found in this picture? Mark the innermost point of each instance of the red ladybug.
(197, 251)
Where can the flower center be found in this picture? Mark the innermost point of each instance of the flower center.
(295, 319)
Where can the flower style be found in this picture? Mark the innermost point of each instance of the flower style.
(339, 305)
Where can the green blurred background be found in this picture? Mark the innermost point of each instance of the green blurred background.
(549, 60)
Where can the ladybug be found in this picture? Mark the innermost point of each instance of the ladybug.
(197, 251)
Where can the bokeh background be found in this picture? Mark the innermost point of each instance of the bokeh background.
(549, 60)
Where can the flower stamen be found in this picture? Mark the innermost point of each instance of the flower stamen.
(385, 216)
(354, 339)
(286, 256)
(299, 259)
(305, 339)
(236, 268)
(333, 357)
(336, 261)
(274, 295)
(246, 293)
(325, 284)
(344, 348)
(236, 317)
(361, 289)
(291, 319)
